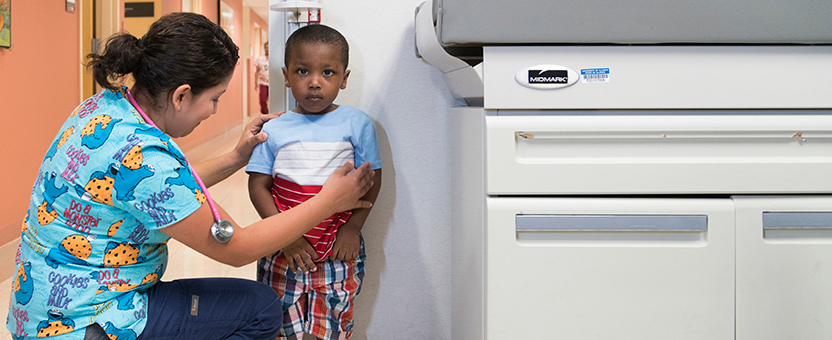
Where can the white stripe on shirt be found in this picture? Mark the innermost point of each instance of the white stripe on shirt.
(311, 163)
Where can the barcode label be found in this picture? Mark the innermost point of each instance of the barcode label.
(595, 75)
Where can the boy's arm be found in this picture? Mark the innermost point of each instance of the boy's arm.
(260, 193)
(300, 255)
(347, 240)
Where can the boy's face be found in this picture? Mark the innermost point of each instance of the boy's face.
(315, 74)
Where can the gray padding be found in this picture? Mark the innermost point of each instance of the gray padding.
(491, 22)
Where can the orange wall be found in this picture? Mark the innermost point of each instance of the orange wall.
(230, 108)
(170, 6)
(138, 26)
(211, 8)
(39, 87)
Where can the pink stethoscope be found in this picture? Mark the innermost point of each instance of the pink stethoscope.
(222, 230)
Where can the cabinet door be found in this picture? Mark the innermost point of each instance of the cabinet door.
(784, 268)
(608, 268)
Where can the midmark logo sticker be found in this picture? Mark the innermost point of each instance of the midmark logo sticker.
(546, 77)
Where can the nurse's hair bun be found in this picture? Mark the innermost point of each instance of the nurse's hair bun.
(178, 49)
(121, 56)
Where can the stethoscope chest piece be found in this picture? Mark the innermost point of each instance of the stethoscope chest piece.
(222, 231)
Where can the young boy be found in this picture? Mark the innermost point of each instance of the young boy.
(318, 275)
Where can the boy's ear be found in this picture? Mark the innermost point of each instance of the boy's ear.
(344, 82)
(286, 77)
(179, 95)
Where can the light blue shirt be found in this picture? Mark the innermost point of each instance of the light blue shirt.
(344, 124)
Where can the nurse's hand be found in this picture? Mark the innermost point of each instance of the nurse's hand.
(252, 135)
(343, 189)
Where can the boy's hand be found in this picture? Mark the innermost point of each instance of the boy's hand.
(301, 256)
(347, 243)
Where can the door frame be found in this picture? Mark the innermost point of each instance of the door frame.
(99, 19)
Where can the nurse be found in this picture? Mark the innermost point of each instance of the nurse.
(114, 187)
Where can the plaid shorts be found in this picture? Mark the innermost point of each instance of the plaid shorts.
(319, 303)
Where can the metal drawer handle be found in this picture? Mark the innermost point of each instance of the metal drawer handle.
(786, 135)
(611, 223)
(797, 220)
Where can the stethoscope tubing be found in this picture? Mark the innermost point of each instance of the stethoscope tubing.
(217, 218)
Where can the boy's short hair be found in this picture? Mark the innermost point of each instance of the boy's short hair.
(317, 34)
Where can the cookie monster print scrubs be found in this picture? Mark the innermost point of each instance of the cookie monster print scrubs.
(90, 244)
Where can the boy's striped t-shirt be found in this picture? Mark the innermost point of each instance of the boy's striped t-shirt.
(304, 150)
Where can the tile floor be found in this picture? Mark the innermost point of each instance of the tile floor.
(183, 262)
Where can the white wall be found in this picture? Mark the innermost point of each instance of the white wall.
(406, 293)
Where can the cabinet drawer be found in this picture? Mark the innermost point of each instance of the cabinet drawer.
(654, 154)
(783, 270)
(639, 268)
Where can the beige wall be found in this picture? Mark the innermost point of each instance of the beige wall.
(138, 26)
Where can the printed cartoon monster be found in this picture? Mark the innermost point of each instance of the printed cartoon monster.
(23, 286)
(99, 188)
(114, 333)
(186, 179)
(96, 132)
(53, 149)
(119, 178)
(74, 249)
(154, 132)
(125, 301)
(57, 324)
(127, 179)
(46, 214)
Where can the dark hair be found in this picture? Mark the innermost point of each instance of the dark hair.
(317, 34)
(178, 49)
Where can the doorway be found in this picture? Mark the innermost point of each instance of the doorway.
(99, 20)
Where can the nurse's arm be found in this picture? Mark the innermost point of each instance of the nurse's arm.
(341, 192)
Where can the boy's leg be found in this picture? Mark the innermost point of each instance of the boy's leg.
(212, 308)
(334, 287)
(292, 288)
